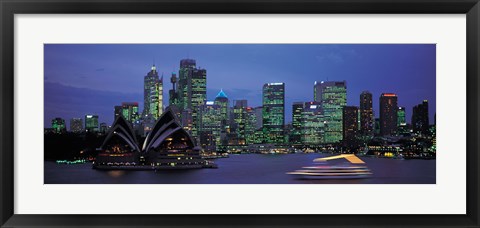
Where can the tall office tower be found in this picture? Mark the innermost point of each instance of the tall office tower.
(130, 111)
(350, 124)
(210, 126)
(366, 113)
(153, 94)
(58, 125)
(239, 120)
(118, 109)
(91, 123)
(173, 96)
(76, 125)
(250, 125)
(401, 120)
(258, 117)
(273, 112)
(192, 91)
(198, 96)
(420, 121)
(297, 123)
(222, 100)
(313, 125)
(388, 114)
(184, 83)
(332, 97)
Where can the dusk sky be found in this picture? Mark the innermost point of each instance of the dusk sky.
(93, 78)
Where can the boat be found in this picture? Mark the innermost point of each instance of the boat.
(355, 169)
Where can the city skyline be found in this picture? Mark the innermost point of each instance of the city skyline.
(72, 82)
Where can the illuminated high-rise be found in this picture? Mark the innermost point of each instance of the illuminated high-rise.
(153, 94)
(222, 101)
(58, 125)
(388, 114)
(91, 123)
(350, 123)
(240, 119)
(192, 92)
(250, 125)
(313, 124)
(297, 123)
(366, 113)
(420, 121)
(130, 111)
(332, 96)
(76, 125)
(273, 112)
(210, 126)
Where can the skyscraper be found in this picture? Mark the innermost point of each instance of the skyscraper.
(313, 124)
(297, 123)
(58, 125)
(130, 111)
(250, 125)
(222, 101)
(388, 114)
(210, 126)
(366, 113)
(332, 97)
(91, 123)
(76, 125)
(273, 112)
(153, 94)
(401, 120)
(192, 91)
(240, 119)
(420, 121)
(350, 123)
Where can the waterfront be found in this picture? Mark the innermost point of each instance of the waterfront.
(245, 169)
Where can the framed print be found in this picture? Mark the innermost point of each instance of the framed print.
(248, 114)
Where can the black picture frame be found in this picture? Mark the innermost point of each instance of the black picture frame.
(9, 8)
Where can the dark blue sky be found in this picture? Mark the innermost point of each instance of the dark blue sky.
(91, 79)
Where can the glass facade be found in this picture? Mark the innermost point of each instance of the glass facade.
(91, 123)
(273, 112)
(153, 94)
(210, 126)
(332, 97)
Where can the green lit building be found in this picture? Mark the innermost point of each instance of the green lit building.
(240, 120)
(222, 100)
(273, 113)
(312, 124)
(58, 125)
(250, 125)
(332, 96)
(210, 126)
(130, 111)
(191, 94)
(91, 123)
(152, 94)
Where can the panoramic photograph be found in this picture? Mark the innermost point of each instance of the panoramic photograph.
(239, 114)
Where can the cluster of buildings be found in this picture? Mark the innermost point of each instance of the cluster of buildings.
(223, 124)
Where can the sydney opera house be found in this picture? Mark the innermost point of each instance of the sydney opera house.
(167, 146)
